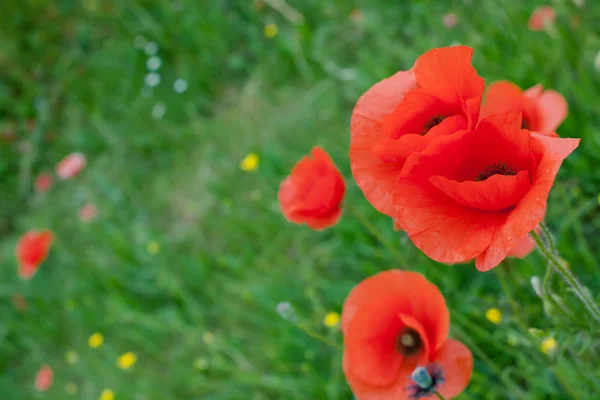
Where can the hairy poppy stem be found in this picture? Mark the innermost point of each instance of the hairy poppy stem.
(568, 276)
(439, 395)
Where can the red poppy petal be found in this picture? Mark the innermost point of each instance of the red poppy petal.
(370, 345)
(501, 97)
(456, 362)
(444, 230)
(398, 390)
(401, 292)
(319, 223)
(26, 271)
(524, 247)
(552, 110)
(449, 74)
(375, 177)
(529, 212)
(413, 323)
(534, 92)
(496, 193)
(413, 113)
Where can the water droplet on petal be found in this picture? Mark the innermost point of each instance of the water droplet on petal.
(547, 171)
(509, 238)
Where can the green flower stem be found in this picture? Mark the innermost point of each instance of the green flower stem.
(589, 303)
(310, 332)
(439, 395)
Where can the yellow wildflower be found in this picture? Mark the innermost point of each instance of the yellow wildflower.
(153, 247)
(107, 394)
(72, 357)
(96, 340)
(71, 388)
(200, 364)
(493, 315)
(548, 345)
(332, 319)
(249, 163)
(127, 360)
(271, 30)
(208, 337)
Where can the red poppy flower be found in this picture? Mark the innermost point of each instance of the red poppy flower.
(525, 246)
(71, 165)
(403, 114)
(541, 17)
(87, 213)
(32, 249)
(475, 195)
(543, 110)
(44, 378)
(313, 191)
(392, 323)
(43, 182)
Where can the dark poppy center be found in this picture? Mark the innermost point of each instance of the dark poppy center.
(525, 123)
(435, 121)
(408, 342)
(498, 168)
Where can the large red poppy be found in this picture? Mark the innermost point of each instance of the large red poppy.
(476, 194)
(31, 251)
(392, 323)
(313, 191)
(440, 95)
(543, 110)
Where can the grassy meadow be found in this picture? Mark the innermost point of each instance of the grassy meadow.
(190, 256)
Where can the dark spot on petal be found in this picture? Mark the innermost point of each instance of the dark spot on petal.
(408, 342)
(435, 121)
(498, 168)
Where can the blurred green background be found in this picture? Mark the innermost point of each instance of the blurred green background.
(189, 255)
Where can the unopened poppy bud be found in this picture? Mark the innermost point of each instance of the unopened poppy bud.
(422, 378)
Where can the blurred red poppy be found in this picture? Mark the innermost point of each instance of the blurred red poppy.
(440, 95)
(32, 249)
(71, 165)
(392, 323)
(44, 378)
(313, 191)
(525, 246)
(43, 182)
(475, 195)
(541, 17)
(543, 110)
(450, 20)
(87, 213)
